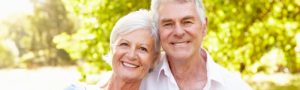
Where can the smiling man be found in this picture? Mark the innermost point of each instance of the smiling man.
(186, 66)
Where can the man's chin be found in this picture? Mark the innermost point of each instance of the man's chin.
(179, 55)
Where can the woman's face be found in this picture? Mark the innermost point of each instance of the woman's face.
(133, 55)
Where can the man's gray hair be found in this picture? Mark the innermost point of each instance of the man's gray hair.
(141, 19)
(155, 4)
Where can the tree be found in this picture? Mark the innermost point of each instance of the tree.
(33, 33)
(241, 33)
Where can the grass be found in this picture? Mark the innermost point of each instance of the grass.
(278, 81)
(57, 78)
(43, 78)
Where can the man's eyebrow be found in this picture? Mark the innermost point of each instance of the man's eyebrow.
(166, 20)
(170, 20)
(188, 17)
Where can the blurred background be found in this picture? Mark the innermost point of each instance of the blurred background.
(48, 44)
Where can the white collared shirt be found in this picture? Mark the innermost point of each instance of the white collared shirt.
(218, 78)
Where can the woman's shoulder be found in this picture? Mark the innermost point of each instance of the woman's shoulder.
(75, 87)
(78, 86)
(104, 78)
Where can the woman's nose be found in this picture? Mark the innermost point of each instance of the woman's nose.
(132, 54)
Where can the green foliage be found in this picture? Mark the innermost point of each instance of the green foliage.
(33, 33)
(7, 57)
(241, 33)
(48, 20)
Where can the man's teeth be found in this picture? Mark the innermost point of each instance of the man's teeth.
(179, 43)
(129, 65)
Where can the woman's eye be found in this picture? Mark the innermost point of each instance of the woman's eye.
(123, 44)
(144, 49)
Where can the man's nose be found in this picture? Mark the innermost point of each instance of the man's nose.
(179, 31)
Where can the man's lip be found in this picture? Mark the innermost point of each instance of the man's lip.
(179, 42)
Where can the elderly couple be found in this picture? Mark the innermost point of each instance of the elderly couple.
(179, 26)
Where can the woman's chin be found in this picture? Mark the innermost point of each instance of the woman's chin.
(130, 74)
(129, 77)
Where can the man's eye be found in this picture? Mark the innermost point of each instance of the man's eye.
(167, 24)
(187, 22)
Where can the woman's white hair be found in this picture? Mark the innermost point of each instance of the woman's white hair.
(155, 4)
(132, 22)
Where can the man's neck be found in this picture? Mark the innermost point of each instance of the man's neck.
(117, 83)
(190, 71)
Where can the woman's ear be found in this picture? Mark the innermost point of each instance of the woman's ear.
(204, 25)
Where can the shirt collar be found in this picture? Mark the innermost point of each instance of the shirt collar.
(213, 73)
(213, 70)
(164, 68)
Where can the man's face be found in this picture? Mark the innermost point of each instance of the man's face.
(180, 30)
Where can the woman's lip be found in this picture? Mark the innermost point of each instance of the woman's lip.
(129, 65)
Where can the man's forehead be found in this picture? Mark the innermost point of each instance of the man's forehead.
(163, 3)
(174, 1)
(170, 10)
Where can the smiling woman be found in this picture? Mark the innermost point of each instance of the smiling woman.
(135, 49)
(133, 57)
(13, 7)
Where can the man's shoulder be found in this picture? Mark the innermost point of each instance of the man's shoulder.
(230, 79)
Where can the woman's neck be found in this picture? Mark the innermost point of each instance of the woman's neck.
(117, 83)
